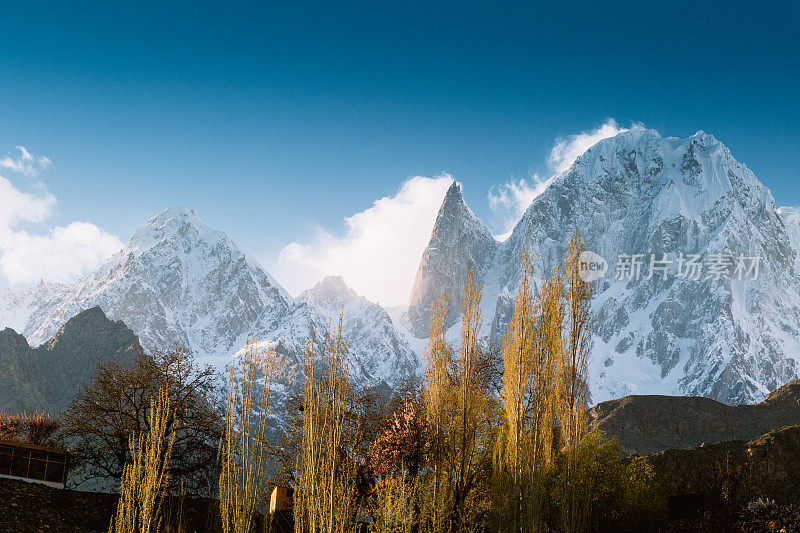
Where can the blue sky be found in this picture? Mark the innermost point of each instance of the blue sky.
(276, 121)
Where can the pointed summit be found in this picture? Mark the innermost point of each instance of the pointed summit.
(331, 283)
(453, 194)
(172, 226)
(459, 243)
(455, 209)
(178, 211)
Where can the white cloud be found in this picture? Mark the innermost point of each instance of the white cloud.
(62, 254)
(380, 251)
(53, 253)
(566, 151)
(25, 164)
(509, 201)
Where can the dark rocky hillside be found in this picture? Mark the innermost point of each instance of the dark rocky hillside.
(46, 378)
(764, 467)
(649, 424)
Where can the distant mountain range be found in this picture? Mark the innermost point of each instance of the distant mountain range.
(178, 282)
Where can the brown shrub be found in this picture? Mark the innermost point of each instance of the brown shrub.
(10, 426)
(39, 429)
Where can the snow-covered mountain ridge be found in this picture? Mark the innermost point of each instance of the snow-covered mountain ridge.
(638, 193)
(178, 282)
(375, 347)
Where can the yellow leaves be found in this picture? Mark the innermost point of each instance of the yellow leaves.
(397, 505)
(459, 409)
(145, 479)
(544, 378)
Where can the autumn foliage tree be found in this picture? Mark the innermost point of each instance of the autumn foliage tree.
(437, 396)
(572, 416)
(545, 353)
(397, 458)
(457, 397)
(402, 445)
(145, 479)
(244, 451)
(531, 392)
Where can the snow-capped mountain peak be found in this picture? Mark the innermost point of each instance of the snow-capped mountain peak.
(174, 224)
(178, 282)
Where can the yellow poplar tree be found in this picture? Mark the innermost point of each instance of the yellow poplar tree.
(144, 480)
(325, 493)
(574, 372)
(531, 353)
(437, 391)
(469, 438)
(244, 453)
(518, 348)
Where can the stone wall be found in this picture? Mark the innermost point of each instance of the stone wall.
(28, 507)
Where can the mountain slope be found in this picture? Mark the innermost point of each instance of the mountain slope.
(638, 193)
(47, 378)
(18, 304)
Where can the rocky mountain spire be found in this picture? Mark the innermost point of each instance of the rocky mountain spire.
(460, 242)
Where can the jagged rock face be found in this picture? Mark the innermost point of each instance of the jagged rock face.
(376, 351)
(459, 243)
(790, 216)
(19, 373)
(649, 424)
(48, 377)
(637, 193)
